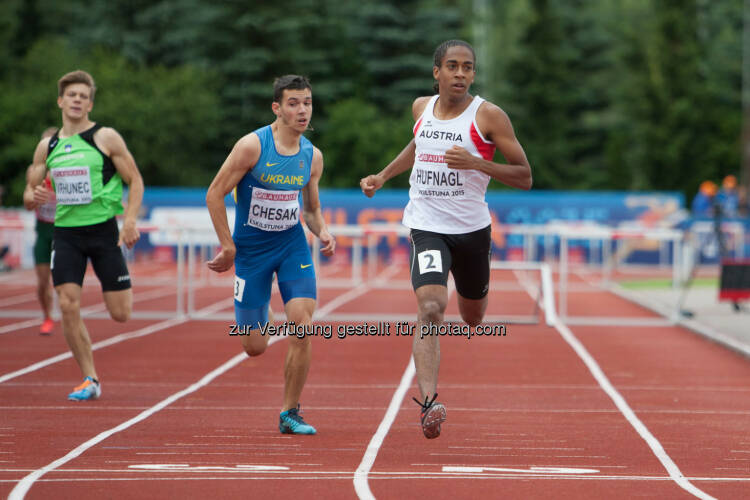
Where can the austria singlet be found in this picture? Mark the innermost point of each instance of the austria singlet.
(441, 199)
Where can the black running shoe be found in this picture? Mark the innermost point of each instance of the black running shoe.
(433, 414)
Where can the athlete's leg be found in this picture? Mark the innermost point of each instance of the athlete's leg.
(431, 303)
(112, 270)
(119, 304)
(471, 273)
(76, 335)
(472, 310)
(252, 295)
(253, 342)
(44, 288)
(430, 262)
(299, 353)
(68, 265)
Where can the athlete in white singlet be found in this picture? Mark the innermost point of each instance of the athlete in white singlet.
(451, 157)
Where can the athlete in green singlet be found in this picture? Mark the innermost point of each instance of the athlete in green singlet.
(88, 164)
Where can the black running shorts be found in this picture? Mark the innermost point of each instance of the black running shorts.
(73, 246)
(467, 256)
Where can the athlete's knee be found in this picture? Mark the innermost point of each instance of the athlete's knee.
(69, 304)
(121, 315)
(431, 311)
(472, 318)
(253, 347)
(253, 350)
(472, 312)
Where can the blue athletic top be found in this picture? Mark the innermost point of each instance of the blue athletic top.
(268, 196)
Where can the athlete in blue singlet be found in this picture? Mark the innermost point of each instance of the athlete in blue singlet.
(269, 168)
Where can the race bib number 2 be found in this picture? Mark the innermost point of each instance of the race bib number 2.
(430, 261)
(72, 185)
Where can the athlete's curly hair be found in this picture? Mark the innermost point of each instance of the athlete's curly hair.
(440, 54)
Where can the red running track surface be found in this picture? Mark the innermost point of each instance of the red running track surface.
(527, 416)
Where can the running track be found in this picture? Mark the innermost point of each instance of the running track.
(566, 412)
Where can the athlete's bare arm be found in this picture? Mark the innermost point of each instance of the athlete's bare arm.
(241, 159)
(495, 125)
(311, 206)
(35, 194)
(113, 145)
(403, 162)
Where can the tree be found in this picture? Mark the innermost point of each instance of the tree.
(169, 117)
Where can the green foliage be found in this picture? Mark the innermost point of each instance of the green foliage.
(360, 141)
(168, 117)
(614, 94)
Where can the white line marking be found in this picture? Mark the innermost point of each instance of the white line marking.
(98, 345)
(86, 311)
(23, 486)
(622, 405)
(628, 413)
(166, 475)
(530, 470)
(360, 476)
(339, 300)
(142, 332)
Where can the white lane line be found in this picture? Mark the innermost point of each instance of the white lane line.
(18, 299)
(361, 289)
(101, 306)
(323, 475)
(629, 414)
(360, 476)
(98, 345)
(23, 486)
(361, 486)
(142, 332)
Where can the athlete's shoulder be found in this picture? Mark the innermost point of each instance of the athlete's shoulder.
(419, 105)
(492, 121)
(491, 111)
(107, 135)
(109, 141)
(42, 149)
(249, 141)
(317, 154)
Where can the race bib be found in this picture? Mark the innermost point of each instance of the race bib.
(273, 210)
(239, 288)
(72, 185)
(46, 212)
(430, 261)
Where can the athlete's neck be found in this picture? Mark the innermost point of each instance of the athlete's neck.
(73, 127)
(448, 107)
(286, 138)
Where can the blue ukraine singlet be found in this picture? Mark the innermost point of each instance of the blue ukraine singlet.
(268, 195)
(268, 233)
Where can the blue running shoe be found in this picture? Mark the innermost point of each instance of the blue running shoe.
(433, 414)
(291, 422)
(89, 389)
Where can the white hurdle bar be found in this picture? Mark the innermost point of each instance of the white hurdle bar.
(548, 295)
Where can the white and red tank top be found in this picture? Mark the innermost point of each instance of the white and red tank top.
(441, 199)
(46, 211)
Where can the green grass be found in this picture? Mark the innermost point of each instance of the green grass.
(657, 283)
